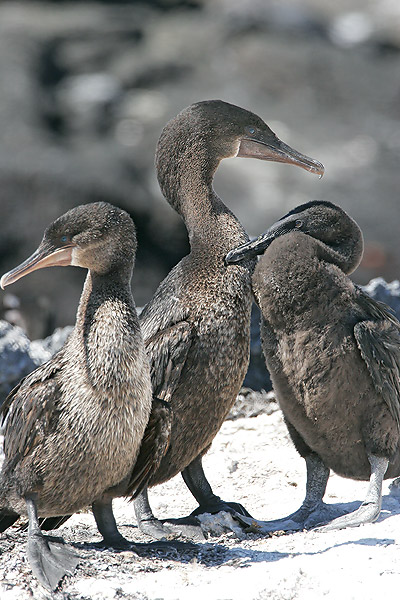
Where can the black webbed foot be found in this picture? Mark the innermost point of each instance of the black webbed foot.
(159, 530)
(217, 505)
(306, 517)
(194, 477)
(189, 527)
(50, 560)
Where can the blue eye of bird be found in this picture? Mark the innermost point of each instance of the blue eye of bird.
(64, 239)
(251, 130)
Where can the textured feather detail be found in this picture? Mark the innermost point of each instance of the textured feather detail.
(375, 309)
(167, 351)
(378, 340)
(29, 411)
(154, 446)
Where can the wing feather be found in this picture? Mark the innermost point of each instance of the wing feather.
(378, 340)
(29, 411)
(167, 351)
(154, 446)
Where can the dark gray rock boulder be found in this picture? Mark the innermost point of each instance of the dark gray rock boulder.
(389, 293)
(19, 356)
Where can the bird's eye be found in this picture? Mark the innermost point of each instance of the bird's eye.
(251, 130)
(64, 239)
(298, 224)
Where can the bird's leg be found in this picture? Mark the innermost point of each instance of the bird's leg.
(146, 521)
(190, 526)
(311, 509)
(49, 560)
(197, 483)
(105, 521)
(371, 507)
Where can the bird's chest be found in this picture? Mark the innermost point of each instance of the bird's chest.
(222, 317)
(311, 369)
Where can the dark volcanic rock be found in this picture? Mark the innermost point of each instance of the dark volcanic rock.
(257, 377)
(16, 359)
(19, 356)
(389, 293)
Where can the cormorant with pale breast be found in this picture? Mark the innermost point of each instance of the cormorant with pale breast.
(197, 326)
(334, 358)
(73, 428)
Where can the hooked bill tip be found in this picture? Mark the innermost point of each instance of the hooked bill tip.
(3, 281)
(320, 170)
(315, 167)
(235, 255)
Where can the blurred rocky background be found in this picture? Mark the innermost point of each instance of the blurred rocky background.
(86, 87)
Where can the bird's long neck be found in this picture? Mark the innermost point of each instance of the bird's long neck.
(107, 331)
(186, 180)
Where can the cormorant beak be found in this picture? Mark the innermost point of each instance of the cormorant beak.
(267, 146)
(257, 246)
(45, 256)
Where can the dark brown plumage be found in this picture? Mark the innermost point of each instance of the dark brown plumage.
(333, 354)
(197, 325)
(73, 428)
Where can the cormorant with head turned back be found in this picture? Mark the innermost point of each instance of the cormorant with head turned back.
(334, 358)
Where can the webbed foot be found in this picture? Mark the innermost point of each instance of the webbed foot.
(216, 505)
(158, 530)
(49, 560)
(367, 513)
(193, 528)
(306, 517)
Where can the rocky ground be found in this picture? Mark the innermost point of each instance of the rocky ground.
(251, 461)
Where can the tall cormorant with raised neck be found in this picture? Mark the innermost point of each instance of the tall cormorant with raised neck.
(334, 358)
(73, 428)
(197, 326)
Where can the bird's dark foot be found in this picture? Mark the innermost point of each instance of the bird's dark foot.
(251, 525)
(194, 527)
(49, 560)
(159, 530)
(306, 517)
(209, 503)
(367, 513)
(218, 505)
(188, 527)
(117, 542)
